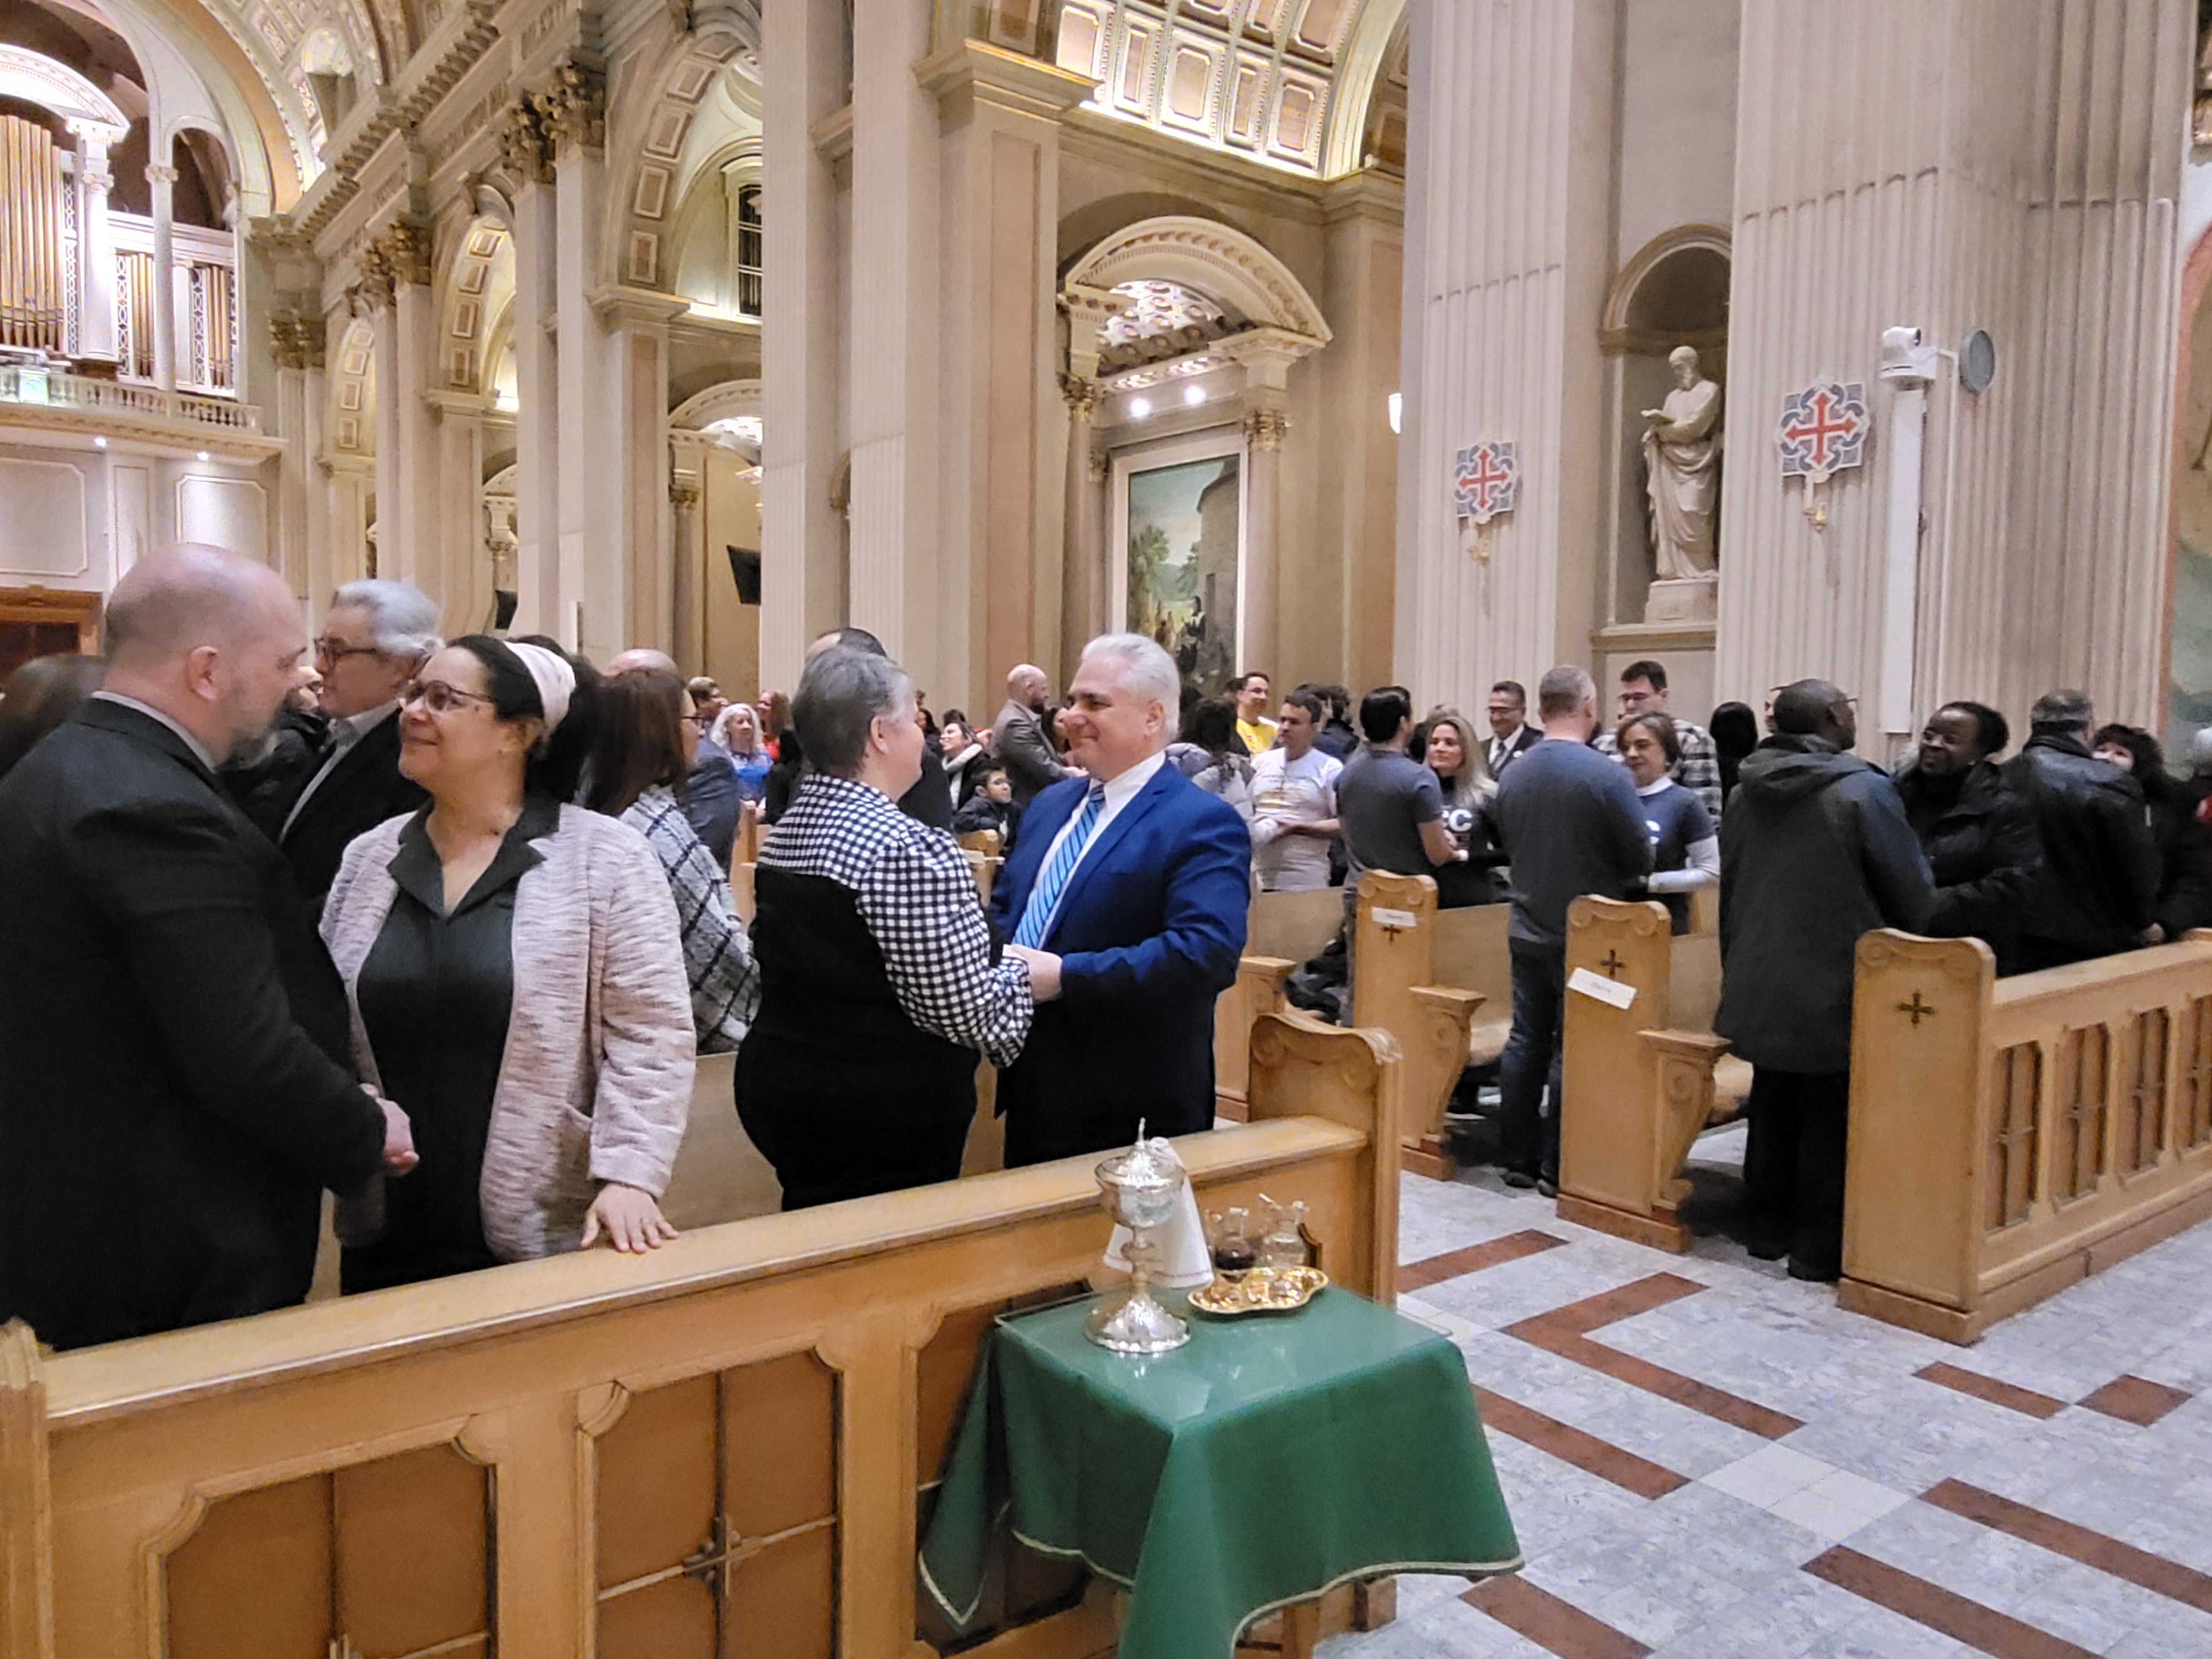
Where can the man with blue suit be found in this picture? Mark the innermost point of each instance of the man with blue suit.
(1126, 894)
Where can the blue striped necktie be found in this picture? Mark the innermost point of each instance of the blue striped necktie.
(1044, 897)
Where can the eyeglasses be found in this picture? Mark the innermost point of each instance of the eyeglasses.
(438, 697)
(699, 720)
(334, 651)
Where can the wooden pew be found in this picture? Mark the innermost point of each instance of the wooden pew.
(745, 853)
(609, 1454)
(1282, 933)
(2009, 1137)
(1640, 1083)
(1441, 981)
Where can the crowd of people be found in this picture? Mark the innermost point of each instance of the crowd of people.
(441, 926)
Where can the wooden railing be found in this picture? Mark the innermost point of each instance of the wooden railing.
(1639, 1084)
(722, 1448)
(2009, 1137)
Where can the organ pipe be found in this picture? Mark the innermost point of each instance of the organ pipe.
(33, 280)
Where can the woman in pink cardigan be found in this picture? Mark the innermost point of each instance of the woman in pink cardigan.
(517, 978)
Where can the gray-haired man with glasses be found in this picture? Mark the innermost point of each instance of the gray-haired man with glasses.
(377, 635)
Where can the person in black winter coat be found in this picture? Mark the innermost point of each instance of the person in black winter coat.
(1977, 835)
(1815, 851)
(2097, 892)
(2184, 843)
(991, 807)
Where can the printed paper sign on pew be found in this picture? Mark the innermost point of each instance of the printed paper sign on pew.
(1598, 987)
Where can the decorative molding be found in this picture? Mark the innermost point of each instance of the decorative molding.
(1082, 396)
(1264, 428)
(86, 110)
(1213, 258)
(1614, 322)
(970, 72)
(683, 492)
(574, 109)
(524, 148)
(296, 340)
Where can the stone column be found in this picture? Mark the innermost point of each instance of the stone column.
(893, 362)
(802, 536)
(2050, 221)
(1507, 250)
(990, 576)
(163, 179)
(456, 558)
(537, 374)
(395, 270)
(299, 425)
(632, 469)
(96, 244)
(1085, 561)
(687, 479)
(352, 480)
(1256, 611)
(591, 582)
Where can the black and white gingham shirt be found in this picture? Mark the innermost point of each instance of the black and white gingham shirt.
(717, 959)
(1698, 771)
(912, 887)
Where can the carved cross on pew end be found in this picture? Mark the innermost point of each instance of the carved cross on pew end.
(1918, 1009)
(1613, 964)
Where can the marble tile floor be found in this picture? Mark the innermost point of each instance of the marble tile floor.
(1705, 1459)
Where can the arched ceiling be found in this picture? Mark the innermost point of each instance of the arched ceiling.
(1285, 82)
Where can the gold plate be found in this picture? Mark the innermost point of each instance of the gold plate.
(1260, 1290)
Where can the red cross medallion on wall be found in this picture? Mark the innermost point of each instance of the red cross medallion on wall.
(1823, 430)
(1485, 479)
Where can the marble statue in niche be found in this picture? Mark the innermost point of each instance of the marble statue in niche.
(1681, 459)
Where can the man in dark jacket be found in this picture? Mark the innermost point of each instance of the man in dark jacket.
(1017, 738)
(175, 1084)
(2097, 892)
(378, 635)
(1815, 851)
(1978, 837)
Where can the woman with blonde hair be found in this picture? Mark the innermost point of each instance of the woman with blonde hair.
(1446, 742)
(516, 972)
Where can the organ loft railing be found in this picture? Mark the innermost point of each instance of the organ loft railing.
(67, 261)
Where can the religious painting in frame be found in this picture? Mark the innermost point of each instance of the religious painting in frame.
(1178, 569)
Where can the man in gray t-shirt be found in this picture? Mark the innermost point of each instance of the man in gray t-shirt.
(1569, 821)
(1389, 805)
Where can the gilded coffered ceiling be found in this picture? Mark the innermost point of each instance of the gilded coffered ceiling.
(1286, 82)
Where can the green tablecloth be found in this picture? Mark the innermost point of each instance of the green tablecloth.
(1265, 1460)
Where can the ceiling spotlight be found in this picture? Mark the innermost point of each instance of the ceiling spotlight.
(203, 454)
(99, 443)
(1140, 407)
(1193, 395)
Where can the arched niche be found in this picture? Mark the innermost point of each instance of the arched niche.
(350, 426)
(715, 438)
(646, 156)
(1673, 292)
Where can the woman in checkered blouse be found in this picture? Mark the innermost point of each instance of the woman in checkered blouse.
(881, 981)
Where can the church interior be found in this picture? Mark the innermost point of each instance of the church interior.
(1357, 343)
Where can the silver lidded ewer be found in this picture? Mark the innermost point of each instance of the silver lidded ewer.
(1142, 1189)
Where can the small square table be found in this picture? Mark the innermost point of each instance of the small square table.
(1269, 1459)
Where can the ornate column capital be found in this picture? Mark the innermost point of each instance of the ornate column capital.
(378, 278)
(523, 145)
(1264, 428)
(296, 340)
(158, 174)
(407, 248)
(573, 110)
(683, 491)
(1082, 396)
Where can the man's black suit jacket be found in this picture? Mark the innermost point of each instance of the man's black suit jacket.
(363, 789)
(174, 1083)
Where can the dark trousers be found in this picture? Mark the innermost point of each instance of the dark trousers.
(1529, 1131)
(1793, 1166)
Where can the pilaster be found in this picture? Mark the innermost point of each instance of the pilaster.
(458, 572)
(536, 372)
(1507, 222)
(634, 466)
(396, 272)
(591, 582)
(992, 582)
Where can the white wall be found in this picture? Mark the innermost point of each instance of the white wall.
(1678, 79)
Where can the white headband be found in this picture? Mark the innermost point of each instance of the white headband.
(556, 680)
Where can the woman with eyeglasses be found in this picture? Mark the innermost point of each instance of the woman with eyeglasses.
(516, 970)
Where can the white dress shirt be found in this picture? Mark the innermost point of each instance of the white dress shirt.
(346, 730)
(1120, 792)
(154, 714)
(1499, 747)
